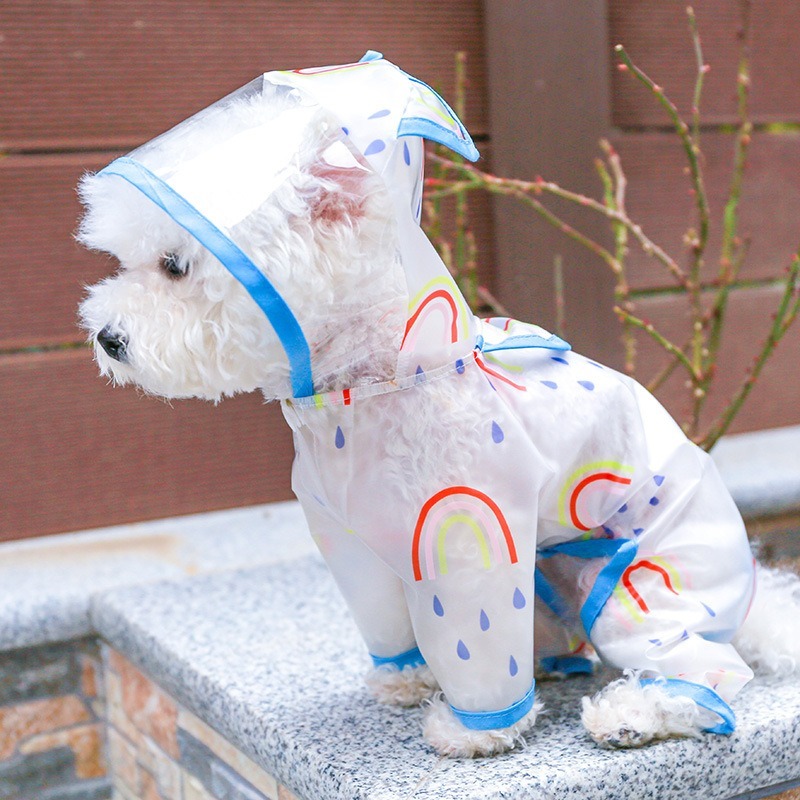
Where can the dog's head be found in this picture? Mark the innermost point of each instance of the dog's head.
(258, 241)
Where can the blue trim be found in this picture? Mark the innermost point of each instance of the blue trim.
(702, 695)
(621, 553)
(492, 720)
(569, 665)
(370, 55)
(411, 658)
(238, 264)
(421, 126)
(553, 342)
(548, 595)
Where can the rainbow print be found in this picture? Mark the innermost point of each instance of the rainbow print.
(629, 596)
(589, 483)
(439, 296)
(465, 506)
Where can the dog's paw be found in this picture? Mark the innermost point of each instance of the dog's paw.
(450, 738)
(401, 687)
(627, 713)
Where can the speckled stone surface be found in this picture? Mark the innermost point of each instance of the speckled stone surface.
(46, 584)
(762, 470)
(270, 658)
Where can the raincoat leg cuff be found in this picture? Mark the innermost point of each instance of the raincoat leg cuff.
(492, 720)
(704, 697)
(411, 658)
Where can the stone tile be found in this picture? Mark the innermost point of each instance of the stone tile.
(85, 741)
(148, 708)
(194, 790)
(122, 763)
(222, 748)
(286, 794)
(89, 676)
(165, 772)
(24, 720)
(25, 775)
(99, 789)
(38, 672)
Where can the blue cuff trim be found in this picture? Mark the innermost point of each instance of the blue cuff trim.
(370, 55)
(411, 658)
(569, 665)
(621, 553)
(492, 720)
(549, 596)
(238, 264)
(703, 696)
(527, 340)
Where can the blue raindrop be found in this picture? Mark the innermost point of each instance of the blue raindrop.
(595, 364)
(519, 599)
(384, 112)
(420, 375)
(559, 359)
(549, 384)
(711, 611)
(339, 440)
(346, 131)
(513, 669)
(655, 642)
(654, 501)
(588, 385)
(659, 479)
(497, 433)
(684, 635)
(406, 154)
(623, 508)
(484, 620)
(462, 651)
(637, 531)
(438, 609)
(608, 531)
(378, 146)
(460, 366)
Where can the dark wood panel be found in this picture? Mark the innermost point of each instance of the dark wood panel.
(111, 73)
(659, 199)
(656, 34)
(42, 269)
(78, 453)
(775, 399)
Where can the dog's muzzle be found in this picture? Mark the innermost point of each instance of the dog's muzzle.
(113, 343)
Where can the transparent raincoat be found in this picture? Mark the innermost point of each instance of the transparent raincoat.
(501, 499)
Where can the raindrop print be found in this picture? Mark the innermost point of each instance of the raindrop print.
(623, 508)
(420, 375)
(460, 366)
(684, 636)
(346, 131)
(378, 146)
(637, 531)
(384, 112)
(484, 620)
(519, 599)
(588, 385)
(513, 669)
(654, 501)
(549, 384)
(497, 433)
(462, 651)
(559, 359)
(608, 532)
(406, 154)
(711, 611)
(656, 642)
(595, 364)
(438, 609)
(339, 440)
(659, 479)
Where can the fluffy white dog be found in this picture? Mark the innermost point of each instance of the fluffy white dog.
(470, 483)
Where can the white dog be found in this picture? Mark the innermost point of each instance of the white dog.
(468, 482)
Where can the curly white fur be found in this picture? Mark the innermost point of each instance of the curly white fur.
(402, 687)
(450, 738)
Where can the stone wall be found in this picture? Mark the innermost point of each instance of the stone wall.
(52, 724)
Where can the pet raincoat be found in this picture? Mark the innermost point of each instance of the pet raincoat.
(498, 473)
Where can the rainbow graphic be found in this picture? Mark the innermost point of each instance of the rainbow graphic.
(438, 297)
(588, 487)
(629, 596)
(468, 507)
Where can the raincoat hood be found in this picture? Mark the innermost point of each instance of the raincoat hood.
(215, 169)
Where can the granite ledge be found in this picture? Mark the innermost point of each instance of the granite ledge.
(270, 658)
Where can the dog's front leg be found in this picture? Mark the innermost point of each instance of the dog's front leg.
(475, 628)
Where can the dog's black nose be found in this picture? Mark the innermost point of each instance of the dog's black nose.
(112, 343)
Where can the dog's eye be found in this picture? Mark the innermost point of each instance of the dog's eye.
(171, 265)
